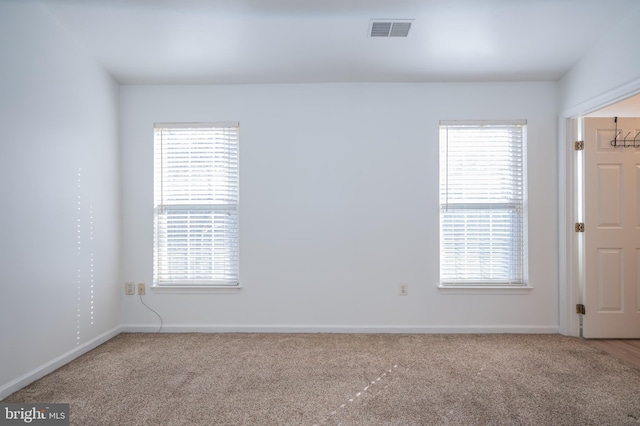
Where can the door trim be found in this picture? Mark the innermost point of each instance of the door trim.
(569, 288)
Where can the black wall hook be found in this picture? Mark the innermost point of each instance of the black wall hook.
(617, 143)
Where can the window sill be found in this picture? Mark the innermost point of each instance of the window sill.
(185, 289)
(487, 289)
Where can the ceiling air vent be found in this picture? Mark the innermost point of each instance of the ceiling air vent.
(389, 27)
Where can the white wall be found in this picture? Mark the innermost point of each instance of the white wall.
(58, 167)
(339, 204)
(611, 66)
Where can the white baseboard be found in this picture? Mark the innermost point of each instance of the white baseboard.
(54, 364)
(384, 329)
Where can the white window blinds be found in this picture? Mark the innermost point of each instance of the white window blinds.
(482, 203)
(196, 180)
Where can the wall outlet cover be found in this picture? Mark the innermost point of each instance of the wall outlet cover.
(404, 289)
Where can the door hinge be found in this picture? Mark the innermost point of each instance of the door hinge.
(579, 145)
(579, 226)
(580, 309)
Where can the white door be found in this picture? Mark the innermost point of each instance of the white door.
(612, 229)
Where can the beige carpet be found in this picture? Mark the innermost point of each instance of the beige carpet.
(308, 379)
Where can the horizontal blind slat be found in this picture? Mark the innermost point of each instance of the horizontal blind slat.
(482, 203)
(196, 174)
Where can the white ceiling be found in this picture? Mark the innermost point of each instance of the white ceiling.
(629, 107)
(310, 41)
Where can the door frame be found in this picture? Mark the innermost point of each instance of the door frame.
(570, 285)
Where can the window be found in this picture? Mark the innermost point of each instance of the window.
(196, 181)
(483, 203)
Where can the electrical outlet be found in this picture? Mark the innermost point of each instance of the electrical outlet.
(403, 289)
(129, 289)
(141, 290)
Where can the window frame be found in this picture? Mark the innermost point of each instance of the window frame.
(479, 284)
(224, 208)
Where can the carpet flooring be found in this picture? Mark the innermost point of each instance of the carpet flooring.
(343, 379)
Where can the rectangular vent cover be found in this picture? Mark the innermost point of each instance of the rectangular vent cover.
(389, 28)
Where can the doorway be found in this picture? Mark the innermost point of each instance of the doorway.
(624, 102)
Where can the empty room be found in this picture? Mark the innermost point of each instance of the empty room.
(356, 212)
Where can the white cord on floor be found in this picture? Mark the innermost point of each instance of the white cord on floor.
(147, 306)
